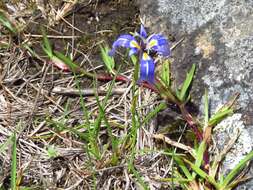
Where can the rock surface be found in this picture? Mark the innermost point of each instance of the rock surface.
(219, 39)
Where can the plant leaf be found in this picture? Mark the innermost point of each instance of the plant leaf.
(4, 145)
(151, 114)
(185, 88)
(108, 60)
(165, 91)
(183, 167)
(46, 45)
(220, 115)
(165, 76)
(224, 111)
(14, 162)
(134, 59)
(203, 174)
(232, 174)
(66, 60)
(206, 107)
(176, 179)
(6, 23)
(234, 183)
(200, 154)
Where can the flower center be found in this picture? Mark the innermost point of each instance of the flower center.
(145, 56)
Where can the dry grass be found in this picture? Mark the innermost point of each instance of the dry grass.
(51, 154)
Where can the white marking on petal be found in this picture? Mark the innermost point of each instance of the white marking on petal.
(147, 69)
(134, 44)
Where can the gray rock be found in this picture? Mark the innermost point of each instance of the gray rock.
(229, 129)
(219, 39)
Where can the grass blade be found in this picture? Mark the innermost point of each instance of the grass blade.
(67, 61)
(14, 162)
(137, 175)
(185, 88)
(108, 94)
(60, 127)
(6, 23)
(220, 115)
(4, 145)
(109, 129)
(134, 59)
(203, 174)
(183, 167)
(165, 76)
(206, 109)
(108, 60)
(154, 112)
(232, 174)
(46, 45)
(200, 155)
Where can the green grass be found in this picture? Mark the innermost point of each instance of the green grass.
(14, 162)
(4, 20)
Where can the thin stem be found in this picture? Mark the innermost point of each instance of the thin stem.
(189, 119)
(119, 78)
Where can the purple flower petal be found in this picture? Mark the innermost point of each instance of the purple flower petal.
(143, 32)
(147, 69)
(133, 51)
(127, 41)
(159, 44)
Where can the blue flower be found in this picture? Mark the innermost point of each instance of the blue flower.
(143, 47)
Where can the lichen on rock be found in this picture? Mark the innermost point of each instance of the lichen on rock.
(227, 130)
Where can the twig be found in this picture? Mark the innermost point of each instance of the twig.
(111, 168)
(51, 36)
(174, 143)
(176, 44)
(218, 158)
(75, 185)
(87, 91)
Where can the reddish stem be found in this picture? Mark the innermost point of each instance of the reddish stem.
(105, 77)
(187, 116)
(120, 78)
(189, 119)
(206, 158)
(148, 86)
